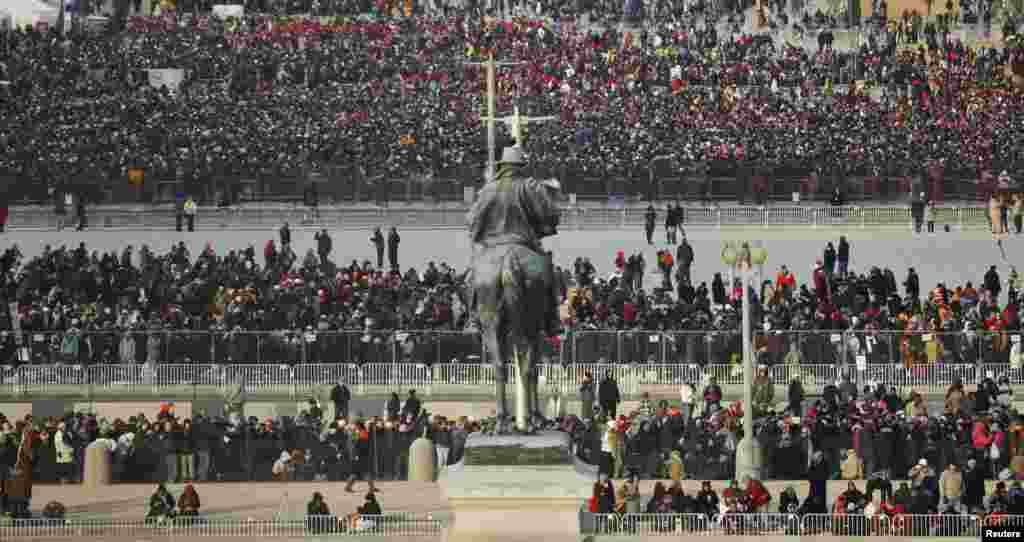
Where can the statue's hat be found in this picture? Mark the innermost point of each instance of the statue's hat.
(512, 155)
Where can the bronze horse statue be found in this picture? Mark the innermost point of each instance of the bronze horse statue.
(512, 279)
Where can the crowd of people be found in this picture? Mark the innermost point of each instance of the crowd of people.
(869, 438)
(77, 306)
(925, 505)
(175, 449)
(319, 93)
(848, 432)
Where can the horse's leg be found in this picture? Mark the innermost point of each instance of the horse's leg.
(522, 358)
(536, 411)
(496, 353)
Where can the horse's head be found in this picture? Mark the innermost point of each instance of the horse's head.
(547, 207)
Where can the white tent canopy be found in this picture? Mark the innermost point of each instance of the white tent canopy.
(28, 12)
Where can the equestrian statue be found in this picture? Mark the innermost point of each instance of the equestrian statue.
(512, 279)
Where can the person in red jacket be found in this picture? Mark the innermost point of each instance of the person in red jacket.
(629, 313)
(981, 437)
(892, 509)
(757, 495)
(820, 283)
(981, 440)
(270, 253)
(785, 283)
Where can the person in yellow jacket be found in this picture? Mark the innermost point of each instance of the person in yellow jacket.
(190, 209)
(852, 468)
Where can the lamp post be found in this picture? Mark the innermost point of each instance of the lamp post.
(741, 259)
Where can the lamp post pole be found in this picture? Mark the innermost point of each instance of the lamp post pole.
(491, 69)
(748, 453)
(748, 386)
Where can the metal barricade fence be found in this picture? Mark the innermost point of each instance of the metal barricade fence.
(813, 378)
(453, 217)
(741, 216)
(38, 379)
(886, 216)
(394, 376)
(700, 216)
(464, 375)
(374, 378)
(724, 374)
(649, 524)
(996, 370)
(839, 525)
(973, 217)
(1001, 520)
(309, 377)
(667, 379)
(754, 524)
(789, 216)
(935, 525)
(256, 377)
(922, 378)
(168, 377)
(122, 378)
(382, 525)
(834, 216)
(844, 525)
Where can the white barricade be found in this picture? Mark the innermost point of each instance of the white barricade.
(813, 378)
(649, 524)
(385, 525)
(754, 524)
(395, 376)
(310, 376)
(265, 377)
(922, 378)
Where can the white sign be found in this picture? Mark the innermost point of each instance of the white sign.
(170, 78)
(1015, 339)
(224, 11)
(654, 338)
(862, 362)
(836, 337)
(927, 337)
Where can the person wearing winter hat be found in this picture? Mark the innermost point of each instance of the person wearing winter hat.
(920, 472)
(280, 468)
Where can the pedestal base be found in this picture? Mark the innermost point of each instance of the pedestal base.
(514, 520)
(516, 489)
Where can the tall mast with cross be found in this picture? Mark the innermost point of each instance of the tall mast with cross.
(515, 121)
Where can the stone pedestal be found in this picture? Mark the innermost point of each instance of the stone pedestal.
(516, 489)
(97, 471)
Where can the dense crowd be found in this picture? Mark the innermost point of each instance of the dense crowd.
(168, 448)
(78, 306)
(270, 97)
(871, 436)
